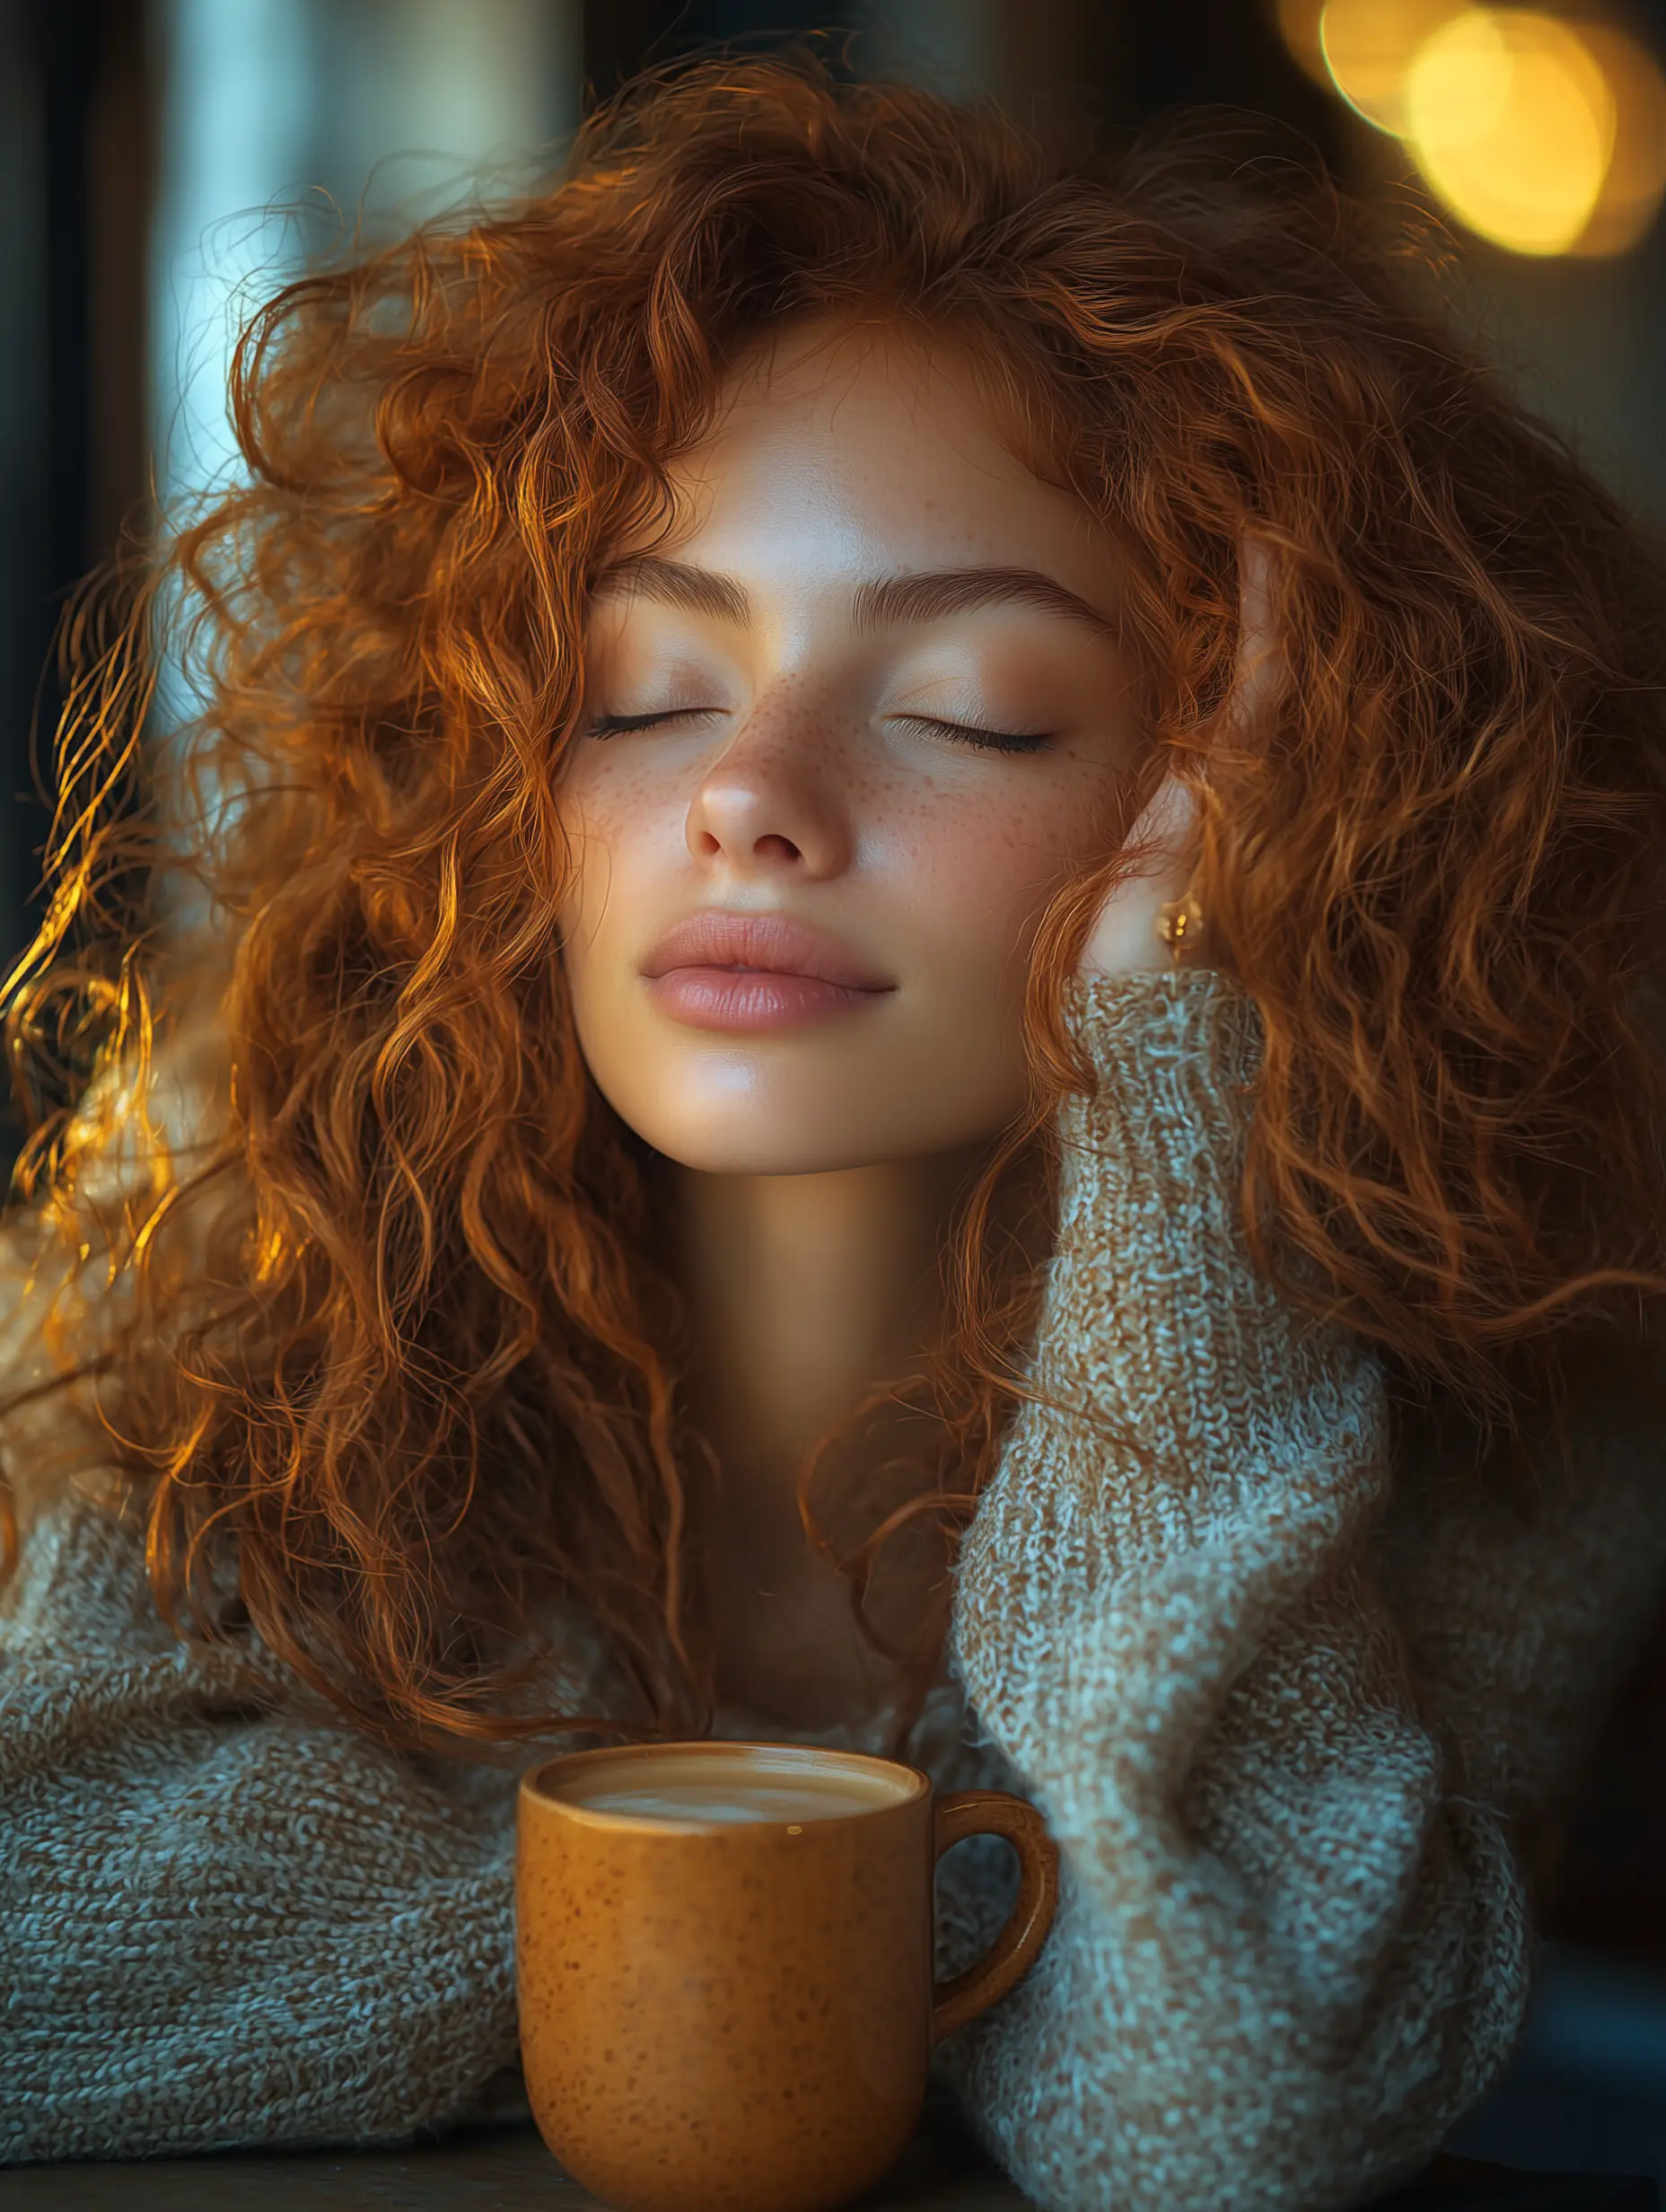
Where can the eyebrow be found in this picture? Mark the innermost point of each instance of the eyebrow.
(675, 583)
(885, 602)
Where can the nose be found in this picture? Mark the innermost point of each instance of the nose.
(775, 798)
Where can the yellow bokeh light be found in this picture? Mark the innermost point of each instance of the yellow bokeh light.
(1635, 183)
(1543, 135)
(1511, 118)
(1297, 21)
(1368, 48)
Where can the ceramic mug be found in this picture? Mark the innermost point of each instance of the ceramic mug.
(724, 1965)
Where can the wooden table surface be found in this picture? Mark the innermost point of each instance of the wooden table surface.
(503, 2169)
(509, 2170)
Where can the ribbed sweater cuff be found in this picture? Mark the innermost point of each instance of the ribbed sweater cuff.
(1193, 1031)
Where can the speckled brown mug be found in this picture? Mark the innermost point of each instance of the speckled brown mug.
(724, 1965)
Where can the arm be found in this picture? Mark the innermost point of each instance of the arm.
(1289, 1954)
(223, 1923)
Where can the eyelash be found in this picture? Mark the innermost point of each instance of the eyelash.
(980, 741)
(961, 732)
(616, 725)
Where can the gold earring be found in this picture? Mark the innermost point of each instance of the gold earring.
(1179, 924)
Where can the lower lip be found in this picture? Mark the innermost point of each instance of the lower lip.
(751, 998)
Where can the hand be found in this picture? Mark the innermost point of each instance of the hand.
(1124, 937)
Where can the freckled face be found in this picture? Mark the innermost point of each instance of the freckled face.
(815, 725)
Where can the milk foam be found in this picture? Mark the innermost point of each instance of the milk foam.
(694, 1787)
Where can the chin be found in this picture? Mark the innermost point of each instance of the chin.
(710, 1150)
(739, 1120)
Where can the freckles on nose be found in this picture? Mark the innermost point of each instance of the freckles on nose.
(790, 731)
(789, 716)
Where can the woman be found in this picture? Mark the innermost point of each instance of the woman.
(822, 537)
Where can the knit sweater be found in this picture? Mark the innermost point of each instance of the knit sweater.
(1285, 1706)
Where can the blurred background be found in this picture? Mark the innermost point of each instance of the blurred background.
(164, 162)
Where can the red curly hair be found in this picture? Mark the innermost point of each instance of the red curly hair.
(398, 1334)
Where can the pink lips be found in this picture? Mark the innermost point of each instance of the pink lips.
(724, 971)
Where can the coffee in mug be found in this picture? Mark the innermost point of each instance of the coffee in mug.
(682, 1786)
(724, 1965)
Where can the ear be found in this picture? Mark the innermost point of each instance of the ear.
(1123, 935)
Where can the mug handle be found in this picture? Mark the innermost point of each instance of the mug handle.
(993, 1812)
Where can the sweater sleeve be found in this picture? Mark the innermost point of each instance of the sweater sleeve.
(1289, 1952)
(224, 1923)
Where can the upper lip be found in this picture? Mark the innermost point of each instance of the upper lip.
(776, 941)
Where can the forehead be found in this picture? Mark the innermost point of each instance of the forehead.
(876, 447)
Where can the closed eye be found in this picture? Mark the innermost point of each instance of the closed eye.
(616, 725)
(960, 732)
(971, 734)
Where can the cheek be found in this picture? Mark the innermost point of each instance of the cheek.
(608, 813)
(980, 875)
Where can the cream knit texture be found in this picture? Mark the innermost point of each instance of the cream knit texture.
(1283, 1704)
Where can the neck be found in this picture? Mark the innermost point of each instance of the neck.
(803, 1291)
